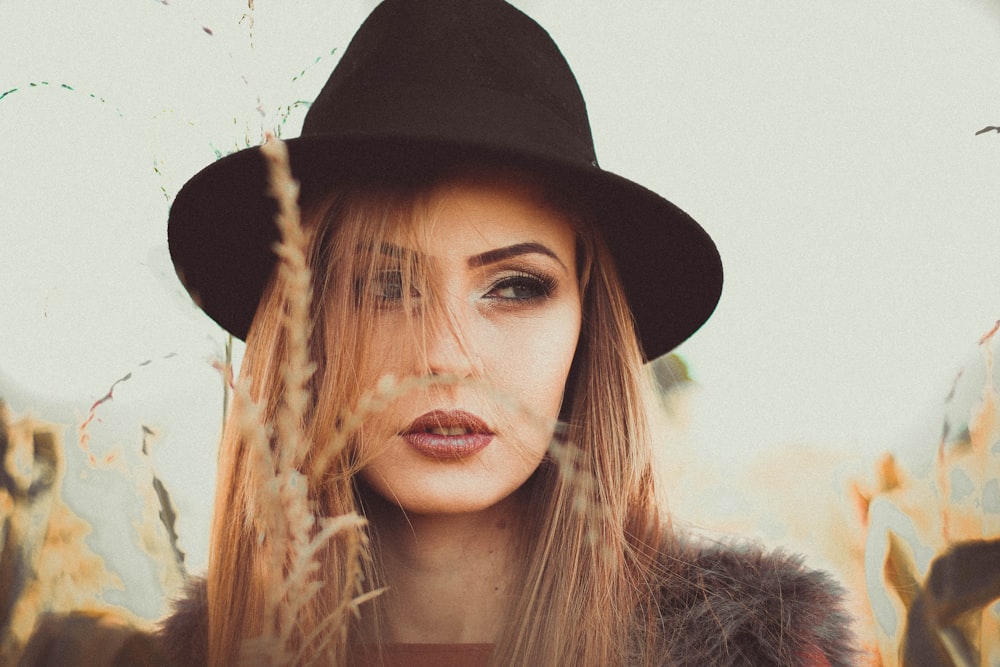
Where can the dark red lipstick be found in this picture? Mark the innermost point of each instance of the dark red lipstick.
(448, 434)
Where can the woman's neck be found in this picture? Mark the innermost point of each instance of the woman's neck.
(448, 576)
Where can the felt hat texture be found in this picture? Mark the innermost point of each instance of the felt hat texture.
(430, 83)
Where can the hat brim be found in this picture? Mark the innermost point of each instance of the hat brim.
(221, 229)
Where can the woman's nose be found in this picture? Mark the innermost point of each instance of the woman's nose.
(448, 349)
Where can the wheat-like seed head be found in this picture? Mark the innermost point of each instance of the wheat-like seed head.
(291, 533)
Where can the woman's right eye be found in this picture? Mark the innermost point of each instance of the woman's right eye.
(383, 287)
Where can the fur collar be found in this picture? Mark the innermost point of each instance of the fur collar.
(740, 605)
(719, 604)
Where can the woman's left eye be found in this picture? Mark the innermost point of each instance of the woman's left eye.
(521, 287)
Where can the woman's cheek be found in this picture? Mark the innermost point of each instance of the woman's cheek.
(536, 366)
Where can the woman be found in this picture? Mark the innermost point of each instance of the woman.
(481, 302)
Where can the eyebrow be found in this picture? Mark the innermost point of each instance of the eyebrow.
(500, 254)
(488, 257)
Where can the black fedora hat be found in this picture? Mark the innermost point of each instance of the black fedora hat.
(427, 82)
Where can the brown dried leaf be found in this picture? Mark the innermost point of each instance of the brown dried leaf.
(962, 581)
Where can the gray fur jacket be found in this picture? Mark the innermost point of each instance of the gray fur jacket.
(723, 605)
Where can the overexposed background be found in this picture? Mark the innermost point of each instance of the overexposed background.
(828, 147)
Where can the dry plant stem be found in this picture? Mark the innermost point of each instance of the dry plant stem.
(350, 597)
(296, 278)
(296, 523)
(266, 508)
(288, 530)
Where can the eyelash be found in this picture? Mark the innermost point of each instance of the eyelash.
(539, 286)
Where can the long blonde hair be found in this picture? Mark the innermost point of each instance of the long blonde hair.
(587, 553)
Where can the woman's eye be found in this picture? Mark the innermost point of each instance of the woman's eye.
(384, 286)
(521, 288)
(388, 286)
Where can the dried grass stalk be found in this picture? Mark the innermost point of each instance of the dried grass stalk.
(292, 535)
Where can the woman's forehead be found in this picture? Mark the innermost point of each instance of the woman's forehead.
(473, 208)
(481, 212)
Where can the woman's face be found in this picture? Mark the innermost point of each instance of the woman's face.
(495, 350)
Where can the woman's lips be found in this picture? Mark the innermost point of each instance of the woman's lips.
(452, 434)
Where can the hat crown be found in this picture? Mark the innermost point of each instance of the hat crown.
(483, 63)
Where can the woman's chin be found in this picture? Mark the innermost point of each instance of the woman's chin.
(445, 495)
(423, 484)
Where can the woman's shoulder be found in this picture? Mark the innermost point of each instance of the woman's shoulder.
(736, 602)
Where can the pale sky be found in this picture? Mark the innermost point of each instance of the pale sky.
(827, 146)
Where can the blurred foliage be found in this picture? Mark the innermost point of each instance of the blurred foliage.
(944, 616)
(932, 550)
(52, 584)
